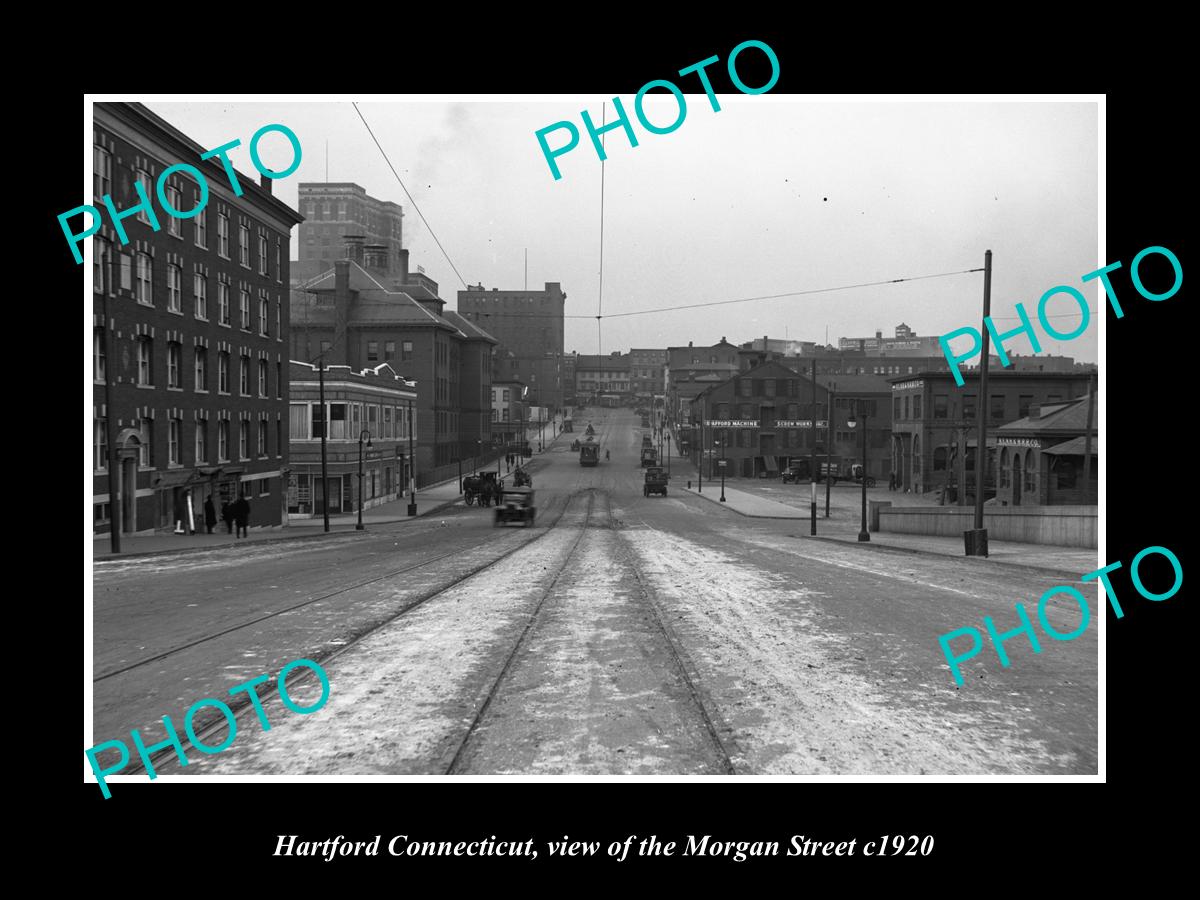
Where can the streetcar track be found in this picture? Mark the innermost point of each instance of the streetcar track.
(307, 602)
(683, 663)
(494, 689)
(238, 705)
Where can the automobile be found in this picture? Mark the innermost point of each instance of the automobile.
(515, 505)
(795, 473)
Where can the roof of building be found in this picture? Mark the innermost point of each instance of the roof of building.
(378, 305)
(381, 374)
(1074, 447)
(1067, 417)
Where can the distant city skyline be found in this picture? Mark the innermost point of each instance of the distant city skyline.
(775, 195)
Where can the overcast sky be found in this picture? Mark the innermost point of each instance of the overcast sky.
(770, 195)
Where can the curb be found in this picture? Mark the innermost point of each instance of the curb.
(888, 547)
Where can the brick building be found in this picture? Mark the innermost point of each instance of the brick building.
(508, 410)
(647, 373)
(529, 327)
(376, 401)
(198, 320)
(348, 314)
(763, 416)
(1041, 456)
(603, 380)
(334, 210)
(691, 370)
(935, 423)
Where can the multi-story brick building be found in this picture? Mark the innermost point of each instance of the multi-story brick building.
(529, 327)
(349, 317)
(334, 210)
(197, 344)
(648, 373)
(691, 370)
(935, 423)
(508, 410)
(763, 416)
(603, 380)
(375, 404)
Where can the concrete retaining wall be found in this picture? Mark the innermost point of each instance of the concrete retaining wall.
(1065, 526)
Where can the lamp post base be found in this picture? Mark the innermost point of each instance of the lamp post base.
(975, 542)
(864, 536)
(412, 509)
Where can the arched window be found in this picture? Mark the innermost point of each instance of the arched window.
(1004, 467)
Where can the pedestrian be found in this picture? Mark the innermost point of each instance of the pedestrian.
(227, 516)
(241, 512)
(891, 481)
(210, 514)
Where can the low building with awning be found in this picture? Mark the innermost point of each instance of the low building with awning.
(1050, 457)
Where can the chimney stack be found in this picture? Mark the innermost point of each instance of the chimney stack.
(264, 182)
(402, 261)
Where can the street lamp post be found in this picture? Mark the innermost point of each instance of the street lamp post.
(863, 534)
(668, 455)
(722, 443)
(367, 434)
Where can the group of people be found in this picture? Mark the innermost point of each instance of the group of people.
(235, 513)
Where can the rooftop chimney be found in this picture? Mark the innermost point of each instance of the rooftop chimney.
(264, 182)
(402, 262)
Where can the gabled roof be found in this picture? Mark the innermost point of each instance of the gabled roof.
(376, 304)
(1067, 418)
(468, 328)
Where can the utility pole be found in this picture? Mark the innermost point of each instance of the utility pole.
(813, 453)
(700, 469)
(412, 466)
(828, 447)
(324, 461)
(115, 488)
(1087, 438)
(976, 540)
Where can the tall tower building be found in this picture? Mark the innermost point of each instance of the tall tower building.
(334, 210)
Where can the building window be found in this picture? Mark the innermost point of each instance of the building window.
(389, 351)
(262, 438)
(244, 245)
(262, 254)
(262, 378)
(996, 412)
(372, 351)
(100, 257)
(200, 292)
(406, 348)
(223, 440)
(325, 347)
(201, 220)
(223, 235)
(223, 303)
(243, 439)
(100, 445)
(387, 423)
(245, 309)
(99, 357)
(969, 406)
(175, 201)
(201, 441)
(1023, 403)
(917, 406)
(244, 377)
(278, 330)
(279, 437)
(145, 361)
(278, 381)
(223, 372)
(337, 422)
(264, 484)
(143, 178)
(174, 287)
(278, 265)
(145, 271)
(174, 375)
(201, 369)
(941, 406)
(101, 171)
(125, 267)
(298, 421)
(264, 313)
(146, 445)
(1065, 473)
(173, 430)
(895, 407)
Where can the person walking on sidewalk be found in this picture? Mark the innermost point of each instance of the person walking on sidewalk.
(227, 516)
(241, 512)
(210, 514)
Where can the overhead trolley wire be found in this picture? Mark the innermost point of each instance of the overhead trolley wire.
(410, 196)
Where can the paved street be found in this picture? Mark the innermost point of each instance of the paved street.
(622, 634)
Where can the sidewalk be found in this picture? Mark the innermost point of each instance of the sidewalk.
(429, 500)
(844, 524)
